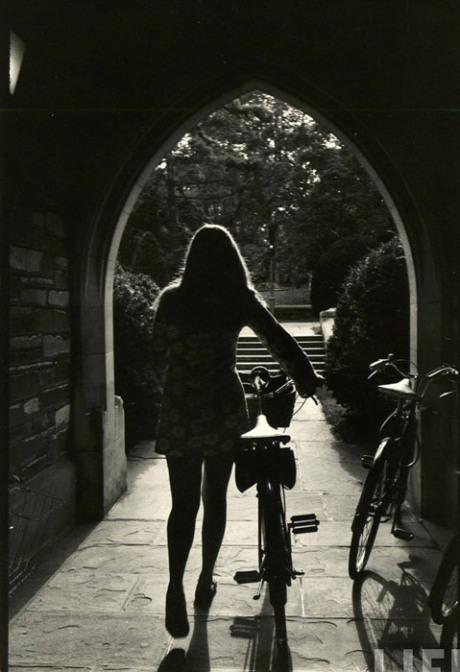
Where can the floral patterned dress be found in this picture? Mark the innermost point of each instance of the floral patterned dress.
(203, 409)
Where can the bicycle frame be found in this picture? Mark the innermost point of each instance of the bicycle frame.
(398, 447)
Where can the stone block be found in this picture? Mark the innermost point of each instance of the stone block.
(16, 415)
(39, 240)
(54, 346)
(48, 259)
(55, 225)
(23, 259)
(57, 396)
(40, 422)
(24, 384)
(57, 446)
(54, 374)
(36, 281)
(25, 350)
(33, 297)
(21, 321)
(61, 280)
(62, 262)
(26, 450)
(25, 342)
(26, 357)
(32, 424)
(62, 416)
(58, 298)
(50, 320)
(32, 406)
(38, 320)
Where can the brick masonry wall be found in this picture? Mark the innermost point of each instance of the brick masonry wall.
(40, 343)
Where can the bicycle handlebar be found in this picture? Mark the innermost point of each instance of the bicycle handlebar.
(261, 379)
(380, 365)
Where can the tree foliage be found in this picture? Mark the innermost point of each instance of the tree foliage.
(135, 382)
(270, 174)
(332, 268)
(372, 320)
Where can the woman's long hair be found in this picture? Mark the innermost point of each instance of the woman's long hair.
(213, 266)
(214, 284)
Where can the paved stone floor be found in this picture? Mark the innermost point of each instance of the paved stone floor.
(101, 607)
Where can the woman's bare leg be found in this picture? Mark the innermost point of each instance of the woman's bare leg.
(217, 472)
(185, 483)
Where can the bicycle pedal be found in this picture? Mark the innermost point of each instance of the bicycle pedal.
(304, 524)
(367, 461)
(247, 576)
(303, 517)
(405, 535)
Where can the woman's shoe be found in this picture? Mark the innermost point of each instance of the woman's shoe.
(204, 595)
(176, 613)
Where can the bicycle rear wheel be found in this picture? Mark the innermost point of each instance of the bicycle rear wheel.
(366, 521)
(277, 569)
(443, 598)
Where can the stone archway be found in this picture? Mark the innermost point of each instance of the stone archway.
(101, 467)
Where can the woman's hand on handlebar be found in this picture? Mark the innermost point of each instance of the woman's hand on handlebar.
(308, 390)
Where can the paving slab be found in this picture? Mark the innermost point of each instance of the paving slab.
(102, 608)
(57, 639)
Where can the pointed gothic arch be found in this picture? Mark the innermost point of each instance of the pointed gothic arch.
(101, 468)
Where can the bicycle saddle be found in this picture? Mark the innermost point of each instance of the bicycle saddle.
(263, 430)
(401, 389)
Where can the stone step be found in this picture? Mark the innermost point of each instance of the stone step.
(259, 356)
(254, 349)
(308, 337)
(252, 352)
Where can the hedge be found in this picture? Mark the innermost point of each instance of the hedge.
(372, 319)
(133, 297)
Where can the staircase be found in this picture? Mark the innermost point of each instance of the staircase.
(251, 352)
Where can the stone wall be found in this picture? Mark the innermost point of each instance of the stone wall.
(39, 343)
(40, 370)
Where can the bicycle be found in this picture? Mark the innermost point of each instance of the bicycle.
(385, 487)
(444, 594)
(266, 460)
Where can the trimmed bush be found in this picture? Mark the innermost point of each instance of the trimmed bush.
(332, 269)
(133, 296)
(372, 320)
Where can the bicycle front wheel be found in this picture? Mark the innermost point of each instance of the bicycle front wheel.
(366, 521)
(443, 599)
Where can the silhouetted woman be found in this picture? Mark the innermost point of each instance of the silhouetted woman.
(203, 410)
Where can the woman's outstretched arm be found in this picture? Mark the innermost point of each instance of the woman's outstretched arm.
(283, 347)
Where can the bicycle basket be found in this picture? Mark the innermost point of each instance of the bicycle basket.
(278, 409)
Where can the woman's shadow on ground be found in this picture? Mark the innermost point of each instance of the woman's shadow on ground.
(261, 653)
